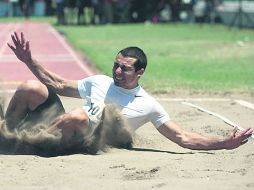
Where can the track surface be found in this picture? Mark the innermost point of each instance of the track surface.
(47, 46)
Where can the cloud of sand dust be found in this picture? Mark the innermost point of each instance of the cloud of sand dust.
(29, 138)
(112, 131)
(33, 138)
(2, 104)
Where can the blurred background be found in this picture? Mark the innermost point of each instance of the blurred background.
(87, 12)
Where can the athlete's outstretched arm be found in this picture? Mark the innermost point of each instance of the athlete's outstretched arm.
(60, 85)
(196, 141)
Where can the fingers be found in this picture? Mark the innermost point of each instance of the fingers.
(22, 39)
(10, 46)
(250, 130)
(246, 134)
(247, 130)
(27, 48)
(14, 40)
(17, 42)
(17, 37)
(244, 141)
(234, 132)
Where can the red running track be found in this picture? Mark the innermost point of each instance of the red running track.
(47, 46)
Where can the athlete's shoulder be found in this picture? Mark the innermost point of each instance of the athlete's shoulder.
(97, 78)
(142, 93)
(148, 97)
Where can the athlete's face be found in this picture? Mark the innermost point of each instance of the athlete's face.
(124, 74)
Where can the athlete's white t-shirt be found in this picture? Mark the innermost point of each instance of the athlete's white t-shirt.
(135, 104)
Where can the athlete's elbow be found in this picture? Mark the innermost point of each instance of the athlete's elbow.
(59, 89)
(56, 87)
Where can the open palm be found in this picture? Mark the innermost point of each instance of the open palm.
(21, 48)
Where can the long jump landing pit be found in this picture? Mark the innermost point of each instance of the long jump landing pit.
(154, 163)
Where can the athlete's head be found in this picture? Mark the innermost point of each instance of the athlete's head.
(129, 65)
(138, 54)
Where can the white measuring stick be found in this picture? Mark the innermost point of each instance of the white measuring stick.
(227, 121)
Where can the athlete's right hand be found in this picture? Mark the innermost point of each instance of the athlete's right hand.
(21, 48)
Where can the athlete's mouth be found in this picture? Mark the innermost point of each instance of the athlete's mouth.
(118, 78)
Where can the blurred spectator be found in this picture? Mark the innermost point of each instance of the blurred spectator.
(60, 12)
(13, 8)
(152, 10)
(71, 11)
(157, 11)
(49, 8)
(108, 14)
(186, 14)
(97, 16)
(84, 11)
(213, 14)
(199, 10)
(175, 6)
(138, 10)
(204, 11)
(81, 16)
(122, 11)
(25, 7)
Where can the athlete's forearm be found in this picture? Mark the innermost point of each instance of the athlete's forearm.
(196, 141)
(48, 78)
(52, 80)
(191, 140)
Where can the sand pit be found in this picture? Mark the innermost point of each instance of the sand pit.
(31, 136)
(152, 163)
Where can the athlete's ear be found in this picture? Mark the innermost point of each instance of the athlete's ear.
(140, 72)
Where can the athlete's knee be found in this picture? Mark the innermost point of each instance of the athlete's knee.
(32, 92)
(74, 119)
(30, 86)
(79, 116)
(74, 122)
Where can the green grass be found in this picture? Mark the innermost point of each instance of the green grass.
(192, 57)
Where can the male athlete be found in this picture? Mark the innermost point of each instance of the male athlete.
(123, 90)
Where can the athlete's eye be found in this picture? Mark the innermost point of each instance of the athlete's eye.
(116, 64)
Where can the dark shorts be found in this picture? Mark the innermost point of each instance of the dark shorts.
(45, 113)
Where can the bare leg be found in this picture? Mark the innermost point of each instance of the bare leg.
(27, 98)
(72, 124)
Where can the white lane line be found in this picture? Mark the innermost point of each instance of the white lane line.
(42, 58)
(12, 82)
(7, 91)
(8, 87)
(245, 104)
(194, 99)
(226, 120)
(240, 102)
(69, 49)
(7, 32)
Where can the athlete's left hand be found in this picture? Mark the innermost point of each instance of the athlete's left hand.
(236, 139)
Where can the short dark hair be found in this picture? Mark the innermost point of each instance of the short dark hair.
(137, 53)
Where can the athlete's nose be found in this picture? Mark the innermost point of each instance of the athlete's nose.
(118, 70)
